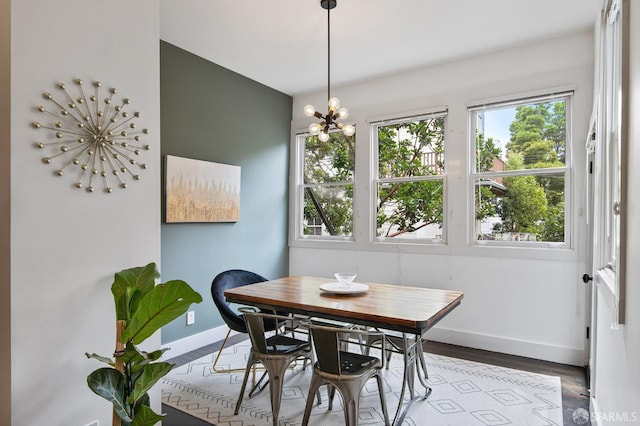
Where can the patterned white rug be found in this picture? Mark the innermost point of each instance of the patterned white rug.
(464, 393)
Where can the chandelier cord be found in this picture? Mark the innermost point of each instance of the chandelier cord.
(334, 111)
(329, 52)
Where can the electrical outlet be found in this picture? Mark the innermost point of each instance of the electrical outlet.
(191, 317)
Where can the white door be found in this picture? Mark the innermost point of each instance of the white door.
(587, 277)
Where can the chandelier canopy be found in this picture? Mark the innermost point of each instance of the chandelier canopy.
(335, 112)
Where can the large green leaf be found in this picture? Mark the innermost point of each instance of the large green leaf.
(109, 383)
(148, 358)
(150, 375)
(160, 306)
(131, 354)
(155, 355)
(129, 282)
(146, 417)
(104, 359)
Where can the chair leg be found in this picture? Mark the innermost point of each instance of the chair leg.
(315, 384)
(244, 382)
(383, 403)
(276, 370)
(258, 386)
(351, 402)
(331, 392)
(215, 362)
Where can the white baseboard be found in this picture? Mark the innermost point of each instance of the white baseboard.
(195, 341)
(593, 408)
(560, 354)
(537, 350)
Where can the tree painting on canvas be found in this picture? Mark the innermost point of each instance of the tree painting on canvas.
(201, 191)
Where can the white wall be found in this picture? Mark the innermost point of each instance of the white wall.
(5, 201)
(522, 301)
(617, 385)
(66, 243)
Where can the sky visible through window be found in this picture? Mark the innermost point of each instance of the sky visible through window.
(496, 125)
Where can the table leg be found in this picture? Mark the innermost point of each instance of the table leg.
(412, 364)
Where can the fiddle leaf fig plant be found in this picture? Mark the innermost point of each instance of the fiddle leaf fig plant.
(142, 308)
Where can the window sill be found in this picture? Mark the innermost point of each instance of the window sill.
(506, 252)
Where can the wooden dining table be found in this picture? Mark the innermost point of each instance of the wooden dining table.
(410, 311)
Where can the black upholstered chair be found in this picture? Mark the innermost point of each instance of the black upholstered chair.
(225, 280)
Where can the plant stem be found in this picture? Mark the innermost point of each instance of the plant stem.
(120, 326)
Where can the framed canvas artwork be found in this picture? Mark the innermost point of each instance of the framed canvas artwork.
(201, 191)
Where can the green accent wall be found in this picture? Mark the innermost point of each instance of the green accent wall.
(211, 113)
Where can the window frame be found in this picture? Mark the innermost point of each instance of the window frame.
(610, 130)
(374, 124)
(300, 138)
(566, 171)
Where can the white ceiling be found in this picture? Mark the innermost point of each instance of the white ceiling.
(283, 43)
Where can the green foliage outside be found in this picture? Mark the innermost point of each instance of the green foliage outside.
(524, 204)
(410, 150)
(485, 199)
(402, 207)
(411, 161)
(331, 162)
(535, 204)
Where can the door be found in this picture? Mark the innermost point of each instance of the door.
(587, 277)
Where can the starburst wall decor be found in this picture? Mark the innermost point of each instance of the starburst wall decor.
(93, 134)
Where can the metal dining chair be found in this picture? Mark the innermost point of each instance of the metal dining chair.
(275, 351)
(343, 370)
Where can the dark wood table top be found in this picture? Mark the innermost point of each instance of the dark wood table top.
(393, 307)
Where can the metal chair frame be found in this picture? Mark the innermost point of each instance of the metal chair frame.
(345, 371)
(275, 353)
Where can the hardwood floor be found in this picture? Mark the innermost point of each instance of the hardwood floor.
(574, 384)
(573, 379)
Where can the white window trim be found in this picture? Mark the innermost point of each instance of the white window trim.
(612, 68)
(567, 170)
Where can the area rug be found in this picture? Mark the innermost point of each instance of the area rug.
(464, 393)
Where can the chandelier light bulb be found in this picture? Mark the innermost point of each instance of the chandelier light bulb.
(309, 110)
(323, 136)
(314, 128)
(349, 130)
(334, 103)
(342, 113)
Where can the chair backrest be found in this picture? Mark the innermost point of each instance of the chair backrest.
(277, 343)
(231, 279)
(331, 347)
(256, 330)
(327, 347)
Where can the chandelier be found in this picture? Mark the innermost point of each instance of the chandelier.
(335, 112)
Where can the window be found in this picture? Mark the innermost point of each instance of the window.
(410, 181)
(520, 171)
(612, 134)
(326, 185)
(610, 145)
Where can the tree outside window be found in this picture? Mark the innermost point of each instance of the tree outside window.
(410, 181)
(520, 185)
(328, 171)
